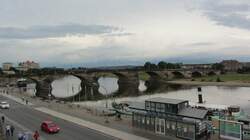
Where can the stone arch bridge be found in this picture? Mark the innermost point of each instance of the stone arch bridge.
(127, 80)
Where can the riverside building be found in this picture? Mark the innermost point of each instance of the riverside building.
(170, 117)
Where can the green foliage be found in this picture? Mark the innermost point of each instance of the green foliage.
(161, 65)
(218, 79)
(150, 66)
(218, 66)
(233, 77)
(244, 70)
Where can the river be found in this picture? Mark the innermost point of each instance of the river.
(70, 86)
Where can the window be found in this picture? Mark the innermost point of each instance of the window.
(147, 106)
(162, 108)
(143, 119)
(185, 129)
(152, 106)
(173, 126)
(158, 107)
(148, 121)
(168, 126)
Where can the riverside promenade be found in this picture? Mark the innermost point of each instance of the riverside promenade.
(84, 116)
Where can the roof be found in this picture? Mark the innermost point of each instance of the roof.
(137, 105)
(166, 100)
(193, 113)
(209, 106)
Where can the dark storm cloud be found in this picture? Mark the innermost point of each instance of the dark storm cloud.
(227, 14)
(54, 31)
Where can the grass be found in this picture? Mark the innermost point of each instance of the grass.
(143, 76)
(230, 77)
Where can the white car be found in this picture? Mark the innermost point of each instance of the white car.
(4, 105)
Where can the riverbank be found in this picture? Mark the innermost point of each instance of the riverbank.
(204, 83)
(91, 114)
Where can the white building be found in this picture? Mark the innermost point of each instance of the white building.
(24, 66)
(6, 66)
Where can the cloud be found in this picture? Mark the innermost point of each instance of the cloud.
(227, 12)
(200, 44)
(34, 32)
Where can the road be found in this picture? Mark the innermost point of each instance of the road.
(31, 119)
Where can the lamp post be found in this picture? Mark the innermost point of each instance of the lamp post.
(106, 95)
(106, 98)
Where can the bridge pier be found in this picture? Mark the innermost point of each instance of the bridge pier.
(89, 87)
(128, 82)
(156, 78)
(43, 86)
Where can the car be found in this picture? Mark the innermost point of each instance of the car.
(49, 127)
(4, 105)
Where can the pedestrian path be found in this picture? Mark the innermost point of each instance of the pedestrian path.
(106, 130)
(18, 100)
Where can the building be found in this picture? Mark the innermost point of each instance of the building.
(246, 64)
(231, 65)
(24, 66)
(6, 66)
(170, 117)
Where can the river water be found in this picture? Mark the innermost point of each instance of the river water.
(70, 86)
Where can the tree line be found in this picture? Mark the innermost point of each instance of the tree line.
(161, 66)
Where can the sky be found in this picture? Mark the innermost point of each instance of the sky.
(92, 33)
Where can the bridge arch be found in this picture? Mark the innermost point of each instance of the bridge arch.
(211, 73)
(177, 74)
(196, 74)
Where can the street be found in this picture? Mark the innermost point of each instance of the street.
(31, 119)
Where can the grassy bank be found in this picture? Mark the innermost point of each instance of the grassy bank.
(229, 77)
(143, 76)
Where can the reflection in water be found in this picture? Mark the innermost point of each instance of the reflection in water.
(66, 87)
(31, 89)
(109, 86)
(142, 86)
(211, 94)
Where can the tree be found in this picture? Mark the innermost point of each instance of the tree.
(1, 71)
(147, 66)
(162, 65)
(153, 67)
(218, 66)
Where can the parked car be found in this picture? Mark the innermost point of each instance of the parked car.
(4, 105)
(49, 127)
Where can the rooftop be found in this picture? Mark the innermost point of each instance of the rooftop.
(193, 113)
(137, 105)
(166, 100)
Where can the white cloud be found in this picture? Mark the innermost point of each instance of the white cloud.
(121, 31)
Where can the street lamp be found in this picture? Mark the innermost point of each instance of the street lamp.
(106, 94)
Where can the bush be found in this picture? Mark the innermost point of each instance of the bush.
(218, 79)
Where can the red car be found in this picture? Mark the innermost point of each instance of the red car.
(49, 127)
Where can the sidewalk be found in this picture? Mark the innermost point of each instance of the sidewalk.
(18, 100)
